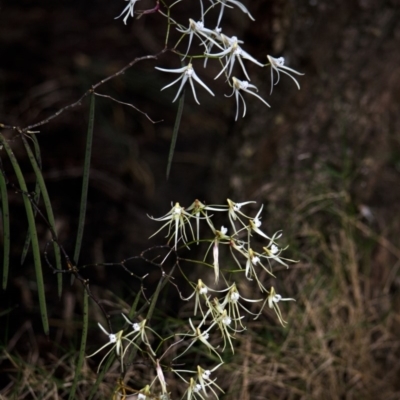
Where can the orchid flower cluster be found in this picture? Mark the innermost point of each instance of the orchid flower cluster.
(237, 258)
(220, 311)
(216, 45)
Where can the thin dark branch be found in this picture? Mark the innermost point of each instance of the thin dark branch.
(128, 104)
(122, 71)
(148, 11)
(89, 91)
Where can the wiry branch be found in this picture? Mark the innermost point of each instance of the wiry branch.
(28, 128)
(129, 105)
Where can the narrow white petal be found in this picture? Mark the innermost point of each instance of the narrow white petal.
(295, 80)
(259, 97)
(184, 79)
(244, 104)
(237, 104)
(243, 68)
(101, 327)
(221, 54)
(247, 56)
(223, 69)
(177, 70)
(126, 8)
(172, 83)
(290, 69)
(193, 90)
(199, 81)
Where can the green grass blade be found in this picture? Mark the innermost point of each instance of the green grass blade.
(37, 150)
(32, 229)
(5, 216)
(100, 376)
(36, 199)
(36, 165)
(82, 349)
(175, 131)
(85, 182)
(8, 311)
(134, 305)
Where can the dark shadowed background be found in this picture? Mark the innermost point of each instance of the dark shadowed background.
(324, 160)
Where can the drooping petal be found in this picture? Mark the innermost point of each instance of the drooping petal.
(176, 70)
(198, 80)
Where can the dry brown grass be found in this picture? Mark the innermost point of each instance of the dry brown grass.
(342, 341)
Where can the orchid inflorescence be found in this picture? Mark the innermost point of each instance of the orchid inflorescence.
(229, 52)
(220, 310)
(220, 307)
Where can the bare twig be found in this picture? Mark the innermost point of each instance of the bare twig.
(128, 104)
(148, 11)
(89, 91)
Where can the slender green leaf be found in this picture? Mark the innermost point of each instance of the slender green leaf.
(175, 131)
(100, 376)
(82, 349)
(36, 163)
(134, 305)
(85, 182)
(5, 214)
(36, 199)
(32, 228)
(37, 149)
(8, 311)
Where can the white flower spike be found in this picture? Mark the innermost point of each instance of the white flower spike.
(245, 87)
(278, 65)
(187, 74)
(129, 10)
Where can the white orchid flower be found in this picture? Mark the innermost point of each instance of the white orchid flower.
(278, 65)
(253, 260)
(273, 300)
(187, 74)
(227, 3)
(219, 235)
(234, 208)
(139, 330)
(198, 29)
(273, 252)
(254, 225)
(115, 339)
(203, 337)
(232, 52)
(245, 87)
(203, 377)
(177, 217)
(232, 301)
(129, 10)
